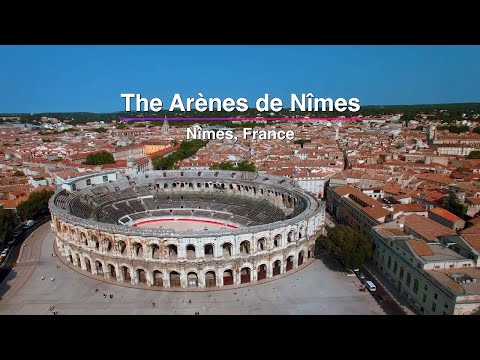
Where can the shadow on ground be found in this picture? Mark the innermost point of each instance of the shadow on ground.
(4, 287)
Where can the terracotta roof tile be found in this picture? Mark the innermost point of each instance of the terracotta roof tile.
(420, 247)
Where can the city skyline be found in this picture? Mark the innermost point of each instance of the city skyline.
(42, 79)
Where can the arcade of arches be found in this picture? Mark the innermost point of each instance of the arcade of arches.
(190, 278)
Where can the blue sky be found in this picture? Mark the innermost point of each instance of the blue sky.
(91, 78)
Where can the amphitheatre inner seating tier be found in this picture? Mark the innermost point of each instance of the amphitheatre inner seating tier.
(109, 204)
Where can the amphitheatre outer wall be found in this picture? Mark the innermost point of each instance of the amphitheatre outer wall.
(166, 259)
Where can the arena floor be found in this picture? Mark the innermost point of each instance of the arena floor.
(314, 289)
(181, 225)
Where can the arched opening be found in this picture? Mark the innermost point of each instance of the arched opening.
(88, 267)
(311, 251)
(290, 263)
(157, 278)
(172, 252)
(84, 239)
(277, 267)
(301, 254)
(290, 236)
(227, 250)
(138, 249)
(126, 274)
(112, 272)
(97, 245)
(99, 267)
(70, 259)
(262, 272)
(191, 252)
(261, 244)
(175, 279)
(108, 245)
(192, 279)
(155, 251)
(301, 233)
(245, 275)
(277, 240)
(141, 276)
(210, 279)
(245, 247)
(208, 251)
(122, 247)
(77, 257)
(228, 277)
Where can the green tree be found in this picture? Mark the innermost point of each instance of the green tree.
(35, 206)
(122, 126)
(474, 155)
(348, 245)
(18, 173)
(8, 221)
(453, 205)
(243, 165)
(100, 130)
(186, 150)
(100, 158)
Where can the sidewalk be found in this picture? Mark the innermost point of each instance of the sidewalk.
(389, 288)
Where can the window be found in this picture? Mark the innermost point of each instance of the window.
(434, 306)
(394, 267)
(435, 296)
(105, 178)
(419, 266)
(89, 182)
(424, 298)
(401, 272)
(409, 277)
(415, 286)
(445, 305)
(425, 287)
(74, 187)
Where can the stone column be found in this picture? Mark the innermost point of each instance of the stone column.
(183, 279)
(219, 277)
(236, 277)
(269, 270)
(149, 276)
(254, 274)
(201, 280)
(166, 278)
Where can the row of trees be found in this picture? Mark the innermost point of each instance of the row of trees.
(243, 165)
(187, 149)
(36, 206)
(349, 246)
(8, 221)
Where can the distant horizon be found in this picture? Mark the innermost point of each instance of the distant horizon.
(90, 78)
(206, 112)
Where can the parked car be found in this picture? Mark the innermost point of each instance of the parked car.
(359, 275)
(370, 286)
(29, 224)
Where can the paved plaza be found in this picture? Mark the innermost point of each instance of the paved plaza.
(314, 289)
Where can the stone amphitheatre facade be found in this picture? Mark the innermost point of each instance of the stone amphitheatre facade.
(264, 226)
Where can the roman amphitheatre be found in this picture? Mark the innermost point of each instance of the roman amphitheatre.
(184, 229)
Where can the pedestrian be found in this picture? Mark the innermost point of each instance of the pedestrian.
(43, 278)
(96, 290)
(190, 301)
(153, 304)
(52, 278)
(104, 295)
(111, 296)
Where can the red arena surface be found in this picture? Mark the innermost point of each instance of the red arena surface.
(184, 224)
